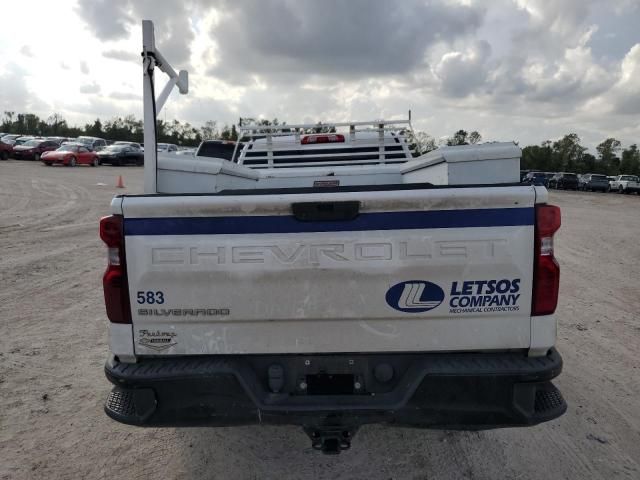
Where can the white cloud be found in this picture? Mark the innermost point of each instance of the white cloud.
(26, 51)
(522, 69)
(90, 88)
(122, 55)
(16, 95)
(626, 93)
(460, 73)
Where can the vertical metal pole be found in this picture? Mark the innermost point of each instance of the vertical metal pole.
(148, 101)
(269, 149)
(381, 142)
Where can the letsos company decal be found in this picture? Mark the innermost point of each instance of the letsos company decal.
(469, 296)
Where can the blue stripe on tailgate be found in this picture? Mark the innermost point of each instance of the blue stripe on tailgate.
(489, 217)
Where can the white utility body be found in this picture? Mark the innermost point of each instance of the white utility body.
(320, 275)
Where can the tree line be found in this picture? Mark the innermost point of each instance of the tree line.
(563, 155)
(127, 128)
(566, 154)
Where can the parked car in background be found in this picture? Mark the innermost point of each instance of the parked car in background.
(5, 150)
(70, 154)
(189, 152)
(58, 140)
(23, 139)
(564, 181)
(121, 155)
(167, 147)
(92, 143)
(549, 176)
(33, 149)
(593, 182)
(131, 144)
(625, 184)
(535, 178)
(10, 139)
(220, 149)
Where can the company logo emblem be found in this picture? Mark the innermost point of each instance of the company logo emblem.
(157, 340)
(415, 296)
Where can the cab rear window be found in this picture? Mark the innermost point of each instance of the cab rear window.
(218, 149)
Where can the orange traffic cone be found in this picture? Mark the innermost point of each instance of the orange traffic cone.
(120, 184)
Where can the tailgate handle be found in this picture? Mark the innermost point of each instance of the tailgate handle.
(325, 211)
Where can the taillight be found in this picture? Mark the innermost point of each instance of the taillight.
(546, 271)
(312, 139)
(114, 281)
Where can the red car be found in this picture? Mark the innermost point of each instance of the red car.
(71, 155)
(33, 149)
(5, 150)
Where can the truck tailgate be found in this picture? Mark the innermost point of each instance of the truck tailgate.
(428, 269)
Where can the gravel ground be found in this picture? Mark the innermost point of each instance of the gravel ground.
(53, 344)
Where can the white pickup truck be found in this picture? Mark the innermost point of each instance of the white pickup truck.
(321, 276)
(625, 184)
(332, 280)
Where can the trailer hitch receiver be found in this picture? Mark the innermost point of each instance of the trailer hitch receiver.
(330, 440)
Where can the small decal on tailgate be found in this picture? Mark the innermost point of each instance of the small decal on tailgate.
(183, 312)
(157, 339)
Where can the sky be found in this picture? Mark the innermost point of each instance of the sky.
(523, 70)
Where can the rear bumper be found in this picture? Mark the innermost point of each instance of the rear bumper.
(23, 156)
(453, 391)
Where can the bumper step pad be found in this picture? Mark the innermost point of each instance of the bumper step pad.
(130, 406)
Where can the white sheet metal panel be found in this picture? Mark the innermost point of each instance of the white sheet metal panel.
(331, 291)
(487, 163)
(163, 206)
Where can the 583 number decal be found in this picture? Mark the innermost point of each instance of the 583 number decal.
(150, 297)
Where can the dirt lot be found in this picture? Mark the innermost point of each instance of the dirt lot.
(53, 345)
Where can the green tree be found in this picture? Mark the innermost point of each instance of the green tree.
(210, 130)
(630, 162)
(94, 129)
(567, 153)
(462, 137)
(537, 157)
(7, 122)
(589, 164)
(607, 152)
(420, 142)
(474, 137)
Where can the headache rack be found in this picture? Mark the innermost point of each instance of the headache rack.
(323, 144)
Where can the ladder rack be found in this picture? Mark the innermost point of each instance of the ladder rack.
(390, 133)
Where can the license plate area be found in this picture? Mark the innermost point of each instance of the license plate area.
(330, 384)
